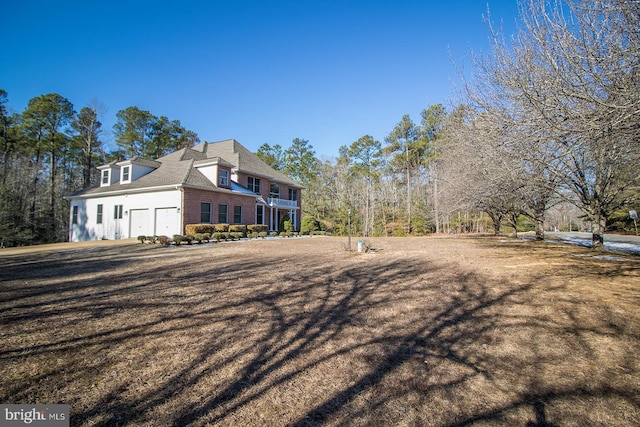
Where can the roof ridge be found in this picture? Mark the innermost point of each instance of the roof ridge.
(189, 169)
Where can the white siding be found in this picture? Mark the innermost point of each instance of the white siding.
(114, 228)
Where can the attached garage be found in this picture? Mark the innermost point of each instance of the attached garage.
(140, 221)
(167, 222)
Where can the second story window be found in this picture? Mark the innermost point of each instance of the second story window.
(253, 184)
(125, 173)
(274, 191)
(223, 178)
(293, 194)
(105, 177)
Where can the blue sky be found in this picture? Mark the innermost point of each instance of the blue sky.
(257, 71)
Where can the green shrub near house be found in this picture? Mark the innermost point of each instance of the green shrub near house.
(202, 237)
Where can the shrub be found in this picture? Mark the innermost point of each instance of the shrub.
(238, 228)
(189, 239)
(221, 228)
(257, 228)
(142, 238)
(164, 240)
(309, 225)
(193, 229)
(202, 237)
(152, 239)
(285, 223)
(273, 233)
(254, 235)
(262, 234)
(395, 229)
(216, 236)
(178, 238)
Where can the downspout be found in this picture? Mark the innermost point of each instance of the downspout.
(181, 216)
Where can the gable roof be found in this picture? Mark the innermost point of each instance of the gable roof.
(178, 169)
(245, 161)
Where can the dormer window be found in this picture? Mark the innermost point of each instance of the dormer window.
(105, 177)
(223, 178)
(126, 174)
(253, 184)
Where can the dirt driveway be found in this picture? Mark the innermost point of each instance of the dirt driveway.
(299, 332)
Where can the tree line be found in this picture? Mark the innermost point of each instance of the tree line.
(49, 151)
(548, 123)
(548, 120)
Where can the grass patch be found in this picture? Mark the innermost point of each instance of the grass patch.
(426, 331)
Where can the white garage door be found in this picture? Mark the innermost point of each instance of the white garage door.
(167, 223)
(139, 222)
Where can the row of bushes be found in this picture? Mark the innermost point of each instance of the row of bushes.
(193, 229)
(189, 239)
(197, 238)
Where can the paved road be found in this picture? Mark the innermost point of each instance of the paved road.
(626, 243)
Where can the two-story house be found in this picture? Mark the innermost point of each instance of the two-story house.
(219, 182)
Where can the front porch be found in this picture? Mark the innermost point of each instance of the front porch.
(280, 207)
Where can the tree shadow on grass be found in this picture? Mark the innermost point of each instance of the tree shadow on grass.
(318, 340)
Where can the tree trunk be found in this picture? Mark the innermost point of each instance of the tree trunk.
(539, 228)
(408, 200)
(597, 229)
(435, 202)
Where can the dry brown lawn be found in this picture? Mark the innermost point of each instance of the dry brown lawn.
(423, 332)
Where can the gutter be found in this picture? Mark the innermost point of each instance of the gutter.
(126, 191)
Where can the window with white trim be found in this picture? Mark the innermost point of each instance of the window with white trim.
(74, 216)
(223, 178)
(126, 174)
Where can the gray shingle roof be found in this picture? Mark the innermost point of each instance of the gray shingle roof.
(178, 168)
(246, 161)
